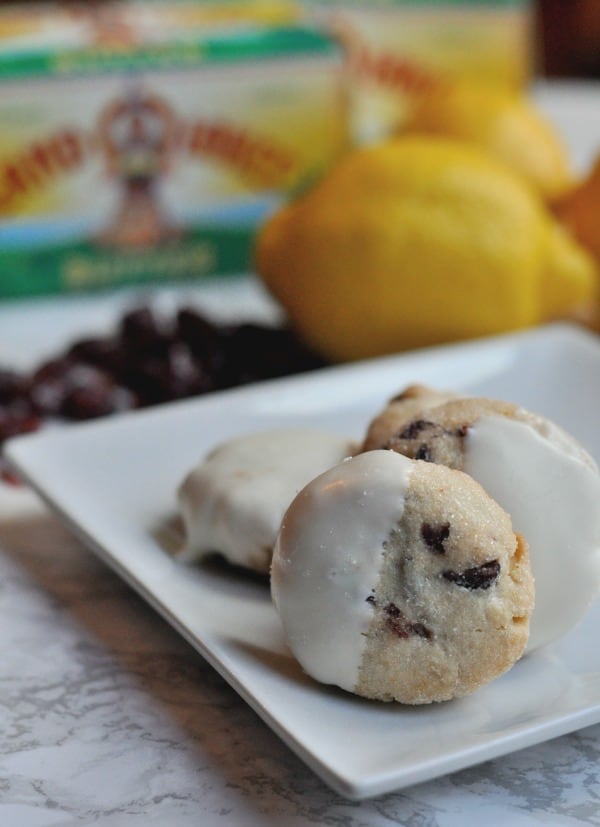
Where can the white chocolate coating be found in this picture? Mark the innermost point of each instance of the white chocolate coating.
(328, 558)
(234, 500)
(552, 493)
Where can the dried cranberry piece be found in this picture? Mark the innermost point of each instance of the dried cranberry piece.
(96, 399)
(141, 331)
(196, 330)
(254, 352)
(13, 386)
(53, 369)
(139, 324)
(477, 577)
(101, 352)
(401, 626)
(435, 535)
(399, 623)
(141, 377)
(292, 356)
(76, 390)
(49, 385)
(204, 339)
(185, 375)
(420, 630)
(17, 420)
(175, 376)
(416, 427)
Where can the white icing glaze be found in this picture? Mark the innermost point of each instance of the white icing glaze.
(328, 558)
(553, 498)
(233, 502)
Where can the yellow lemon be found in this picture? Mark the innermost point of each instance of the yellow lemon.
(418, 241)
(504, 123)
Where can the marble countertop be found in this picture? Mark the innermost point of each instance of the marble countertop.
(109, 717)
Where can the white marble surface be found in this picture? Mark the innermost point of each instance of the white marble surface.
(108, 717)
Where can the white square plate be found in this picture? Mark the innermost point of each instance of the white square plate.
(114, 483)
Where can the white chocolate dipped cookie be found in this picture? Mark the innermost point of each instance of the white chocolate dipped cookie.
(233, 501)
(541, 476)
(401, 580)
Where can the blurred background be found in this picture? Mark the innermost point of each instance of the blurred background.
(217, 147)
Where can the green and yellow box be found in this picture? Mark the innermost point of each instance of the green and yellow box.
(146, 142)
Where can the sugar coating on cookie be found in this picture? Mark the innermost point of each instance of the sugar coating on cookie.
(233, 501)
(401, 580)
(541, 476)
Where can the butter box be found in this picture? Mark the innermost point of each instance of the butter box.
(145, 142)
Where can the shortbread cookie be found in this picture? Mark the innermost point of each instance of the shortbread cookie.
(541, 476)
(401, 580)
(412, 401)
(233, 502)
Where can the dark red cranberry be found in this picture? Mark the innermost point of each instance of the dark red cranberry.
(53, 369)
(401, 626)
(195, 330)
(204, 339)
(254, 352)
(96, 399)
(414, 428)
(49, 385)
(477, 577)
(175, 376)
(142, 332)
(102, 352)
(435, 536)
(186, 375)
(17, 421)
(13, 386)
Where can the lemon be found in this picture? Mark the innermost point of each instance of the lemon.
(504, 123)
(418, 241)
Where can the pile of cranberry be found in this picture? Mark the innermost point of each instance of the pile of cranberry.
(147, 361)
